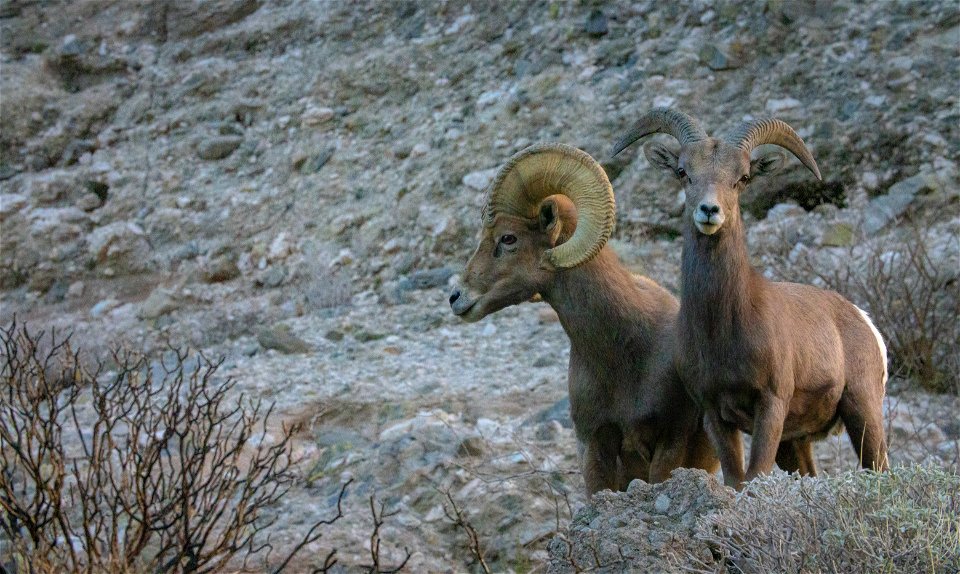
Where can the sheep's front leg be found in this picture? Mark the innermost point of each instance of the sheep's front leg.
(771, 411)
(728, 444)
(599, 464)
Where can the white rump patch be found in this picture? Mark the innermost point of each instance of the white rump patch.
(876, 333)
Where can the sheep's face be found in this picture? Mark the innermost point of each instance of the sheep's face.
(713, 174)
(505, 269)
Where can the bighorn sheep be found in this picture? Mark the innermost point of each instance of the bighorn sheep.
(782, 361)
(545, 226)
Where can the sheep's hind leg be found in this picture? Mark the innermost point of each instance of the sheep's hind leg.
(787, 458)
(864, 424)
(804, 451)
(797, 456)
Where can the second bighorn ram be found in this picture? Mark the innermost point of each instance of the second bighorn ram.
(545, 228)
(782, 361)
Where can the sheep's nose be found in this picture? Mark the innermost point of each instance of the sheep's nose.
(454, 296)
(709, 209)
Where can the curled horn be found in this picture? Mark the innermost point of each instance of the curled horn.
(770, 131)
(662, 120)
(546, 169)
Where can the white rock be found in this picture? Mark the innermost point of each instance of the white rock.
(775, 106)
(420, 149)
(11, 203)
(76, 289)
(314, 116)
(663, 101)
(102, 307)
(870, 180)
(479, 180)
(343, 259)
(489, 98)
(280, 248)
(459, 24)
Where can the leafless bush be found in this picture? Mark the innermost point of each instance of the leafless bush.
(905, 520)
(379, 515)
(459, 519)
(913, 297)
(147, 467)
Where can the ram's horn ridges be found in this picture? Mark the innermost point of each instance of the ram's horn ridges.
(545, 169)
(749, 135)
(662, 120)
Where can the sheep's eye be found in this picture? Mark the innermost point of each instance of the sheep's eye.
(681, 173)
(745, 180)
(508, 239)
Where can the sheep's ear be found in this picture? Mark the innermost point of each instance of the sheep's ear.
(661, 156)
(550, 221)
(767, 164)
(549, 216)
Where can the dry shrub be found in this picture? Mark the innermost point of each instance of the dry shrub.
(148, 467)
(912, 293)
(905, 520)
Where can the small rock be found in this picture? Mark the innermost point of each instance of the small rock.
(912, 186)
(393, 245)
(333, 335)
(596, 24)
(279, 338)
(280, 248)
(549, 431)
(273, 276)
(98, 188)
(559, 411)
(430, 278)
(543, 361)
(103, 307)
(314, 162)
(221, 269)
(11, 203)
(662, 504)
(314, 116)
(488, 98)
(402, 150)
(76, 289)
(159, 303)
(717, 59)
(783, 211)
(89, 202)
(121, 246)
(775, 106)
(479, 180)
(420, 149)
(218, 147)
(343, 259)
(886, 208)
(365, 336)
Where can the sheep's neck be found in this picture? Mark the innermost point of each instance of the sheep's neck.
(719, 287)
(600, 306)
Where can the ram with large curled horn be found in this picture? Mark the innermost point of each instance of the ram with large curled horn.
(785, 362)
(545, 228)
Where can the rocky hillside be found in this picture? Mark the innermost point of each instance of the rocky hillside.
(292, 184)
